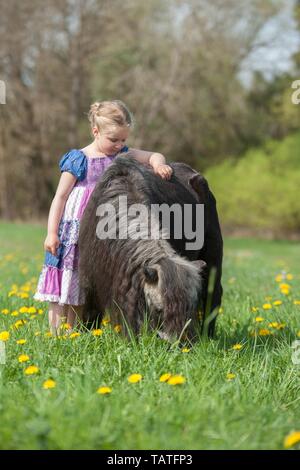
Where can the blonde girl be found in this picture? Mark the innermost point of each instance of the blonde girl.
(58, 283)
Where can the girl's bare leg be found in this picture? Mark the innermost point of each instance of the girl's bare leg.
(57, 315)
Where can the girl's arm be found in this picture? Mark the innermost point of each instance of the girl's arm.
(156, 160)
(65, 185)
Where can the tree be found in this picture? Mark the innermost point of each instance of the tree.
(176, 64)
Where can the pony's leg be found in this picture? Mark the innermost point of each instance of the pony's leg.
(74, 315)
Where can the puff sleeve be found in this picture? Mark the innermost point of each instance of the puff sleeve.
(74, 162)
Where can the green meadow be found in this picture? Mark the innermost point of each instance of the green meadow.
(239, 391)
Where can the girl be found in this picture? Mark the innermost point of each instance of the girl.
(58, 284)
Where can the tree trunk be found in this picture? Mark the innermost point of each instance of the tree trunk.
(5, 210)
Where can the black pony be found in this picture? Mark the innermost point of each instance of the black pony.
(163, 276)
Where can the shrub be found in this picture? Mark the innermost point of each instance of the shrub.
(260, 190)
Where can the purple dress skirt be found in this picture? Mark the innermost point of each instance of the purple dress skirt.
(59, 280)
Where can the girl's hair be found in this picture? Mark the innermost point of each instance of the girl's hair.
(105, 114)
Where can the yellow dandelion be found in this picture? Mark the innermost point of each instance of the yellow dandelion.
(65, 326)
(273, 324)
(277, 303)
(237, 346)
(4, 335)
(285, 291)
(11, 293)
(254, 309)
(264, 332)
(31, 310)
(74, 335)
(97, 332)
(23, 309)
(134, 378)
(25, 288)
(281, 326)
(165, 377)
(48, 334)
(279, 278)
(176, 380)
(21, 341)
(23, 358)
(117, 328)
(185, 350)
(283, 285)
(40, 311)
(5, 311)
(289, 277)
(23, 295)
(296, 302)
(267, 306)
(291, 439)
(105, 321)
(15, 313)
(49, 384)
(19, 323)
(31, 370)
(230, 376)
(104, 390)
(259, 319)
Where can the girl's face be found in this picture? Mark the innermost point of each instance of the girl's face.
(111, 140)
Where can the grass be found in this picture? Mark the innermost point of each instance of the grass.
(256, 409)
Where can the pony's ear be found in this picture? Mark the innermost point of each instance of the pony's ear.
(200, 186)
(200, 264)
(151, 274)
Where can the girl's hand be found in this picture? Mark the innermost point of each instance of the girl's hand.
(52, 243)
(165, 171)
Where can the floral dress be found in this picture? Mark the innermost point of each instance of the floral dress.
(59, 280)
